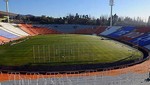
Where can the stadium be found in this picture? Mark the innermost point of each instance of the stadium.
(72, 54)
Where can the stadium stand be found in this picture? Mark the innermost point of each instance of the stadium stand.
(147, 46)
(45, 30)
(142, 40)
(110, 30)
(139, 31)
(124, 38)
(96, 30)
(29, 27)
(139, 36)
(1, 42)
(143, 29)
(66, 28)
(100, 29)
(131, 36)
(2, 28)
(26, 29)
(7, 34)
(85, 31)
(14, 30)
(34, 30)
(4, 39)
(121, 32)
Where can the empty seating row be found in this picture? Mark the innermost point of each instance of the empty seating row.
(121, 32)
(147, 46)
(26, 28)
(110, 30)
(134, 34)
(85, 31)
(124, 38)
(100, 29)
(142, 40)
(65, 28)
(143, 29)
(4, 39)
(15, 30)
(34, 30)
(40, 30)
(96, 30)
(131, 36)
(6, 34)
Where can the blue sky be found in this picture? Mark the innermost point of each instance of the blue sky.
(96, 8)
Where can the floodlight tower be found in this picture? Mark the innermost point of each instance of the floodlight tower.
(7, 10)
(111, 3)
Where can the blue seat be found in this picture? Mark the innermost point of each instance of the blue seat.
(122, 32)
(142, 40)
(7, 34)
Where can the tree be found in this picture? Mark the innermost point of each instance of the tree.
(148, 23)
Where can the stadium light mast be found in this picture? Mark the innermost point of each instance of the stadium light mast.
(7, 10)
(111, 3)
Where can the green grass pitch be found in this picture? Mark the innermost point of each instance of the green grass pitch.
(65, 49)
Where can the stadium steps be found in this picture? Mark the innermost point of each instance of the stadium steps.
(9, 31)
(3, 39)
(65, 28)
(131, 36)
(96, 30)
(30, 27)
(40, 30)
(100, 30)
(143, 29)
(110, 30)
(147, 46)
(26, 29)
(48, 31)
(1, 42)
(14, 30)
(142, 40)
(125, 38)
(7, 34)
(134, 34)
(122, 31)
(34, 30)
(85, 31)
(139, 31)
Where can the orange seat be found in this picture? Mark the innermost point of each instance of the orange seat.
(3, 39)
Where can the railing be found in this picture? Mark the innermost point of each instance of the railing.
(91, 77)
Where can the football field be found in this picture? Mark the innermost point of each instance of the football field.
(65, 49)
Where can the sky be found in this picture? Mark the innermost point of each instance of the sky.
(94, 8)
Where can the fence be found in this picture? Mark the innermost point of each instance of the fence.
(108, 77)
